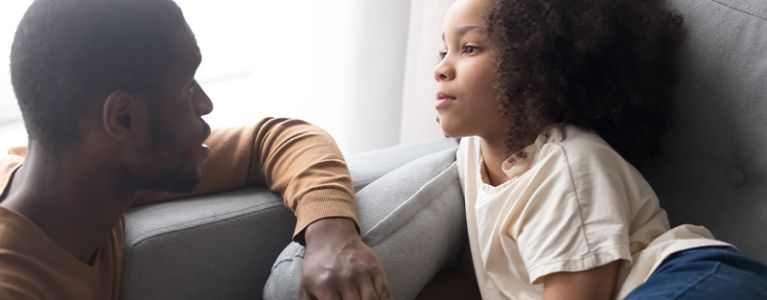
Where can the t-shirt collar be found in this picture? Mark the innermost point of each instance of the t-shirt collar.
(518, 163)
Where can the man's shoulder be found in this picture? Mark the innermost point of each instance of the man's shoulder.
(33, 266)
(17, 270)
(9, 164)
(17, 233)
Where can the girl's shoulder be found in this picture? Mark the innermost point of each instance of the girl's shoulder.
(583, 147)
(580, 141)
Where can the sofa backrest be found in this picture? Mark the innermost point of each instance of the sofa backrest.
(713, 169)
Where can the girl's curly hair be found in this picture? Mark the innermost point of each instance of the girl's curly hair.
(604, 65)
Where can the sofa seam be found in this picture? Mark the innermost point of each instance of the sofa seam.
(720, 2)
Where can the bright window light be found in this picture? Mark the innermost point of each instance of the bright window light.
(260, 58)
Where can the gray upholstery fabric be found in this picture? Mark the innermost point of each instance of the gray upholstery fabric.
(369, 166)
(223, 246)
(412, 217)
(713, 170)
(214, 247)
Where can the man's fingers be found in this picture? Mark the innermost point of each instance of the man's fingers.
(382, 287)
(351, 294)
(368, 290)
(302, 295)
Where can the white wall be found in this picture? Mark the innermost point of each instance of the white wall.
(361, 69)
(379, 36)
(419, 91)
(11, 128)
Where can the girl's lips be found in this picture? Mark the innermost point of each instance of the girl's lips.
(443, 99)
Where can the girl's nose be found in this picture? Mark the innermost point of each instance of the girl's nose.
(444, 70)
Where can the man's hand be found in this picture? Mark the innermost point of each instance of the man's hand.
(338, 265)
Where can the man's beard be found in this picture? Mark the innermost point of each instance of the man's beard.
(175, 179)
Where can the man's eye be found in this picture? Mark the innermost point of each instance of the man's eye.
(442, 54)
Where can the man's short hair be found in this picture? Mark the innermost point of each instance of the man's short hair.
(70, 54)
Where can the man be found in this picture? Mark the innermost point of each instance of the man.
(108, 95)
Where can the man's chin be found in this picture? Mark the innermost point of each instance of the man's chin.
(173, 183)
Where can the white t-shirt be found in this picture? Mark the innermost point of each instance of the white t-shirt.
(572, 205)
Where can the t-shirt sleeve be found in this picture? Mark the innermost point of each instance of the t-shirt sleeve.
(577, 215)
(292, 157)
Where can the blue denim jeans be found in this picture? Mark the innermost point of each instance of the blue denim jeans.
(707, 273)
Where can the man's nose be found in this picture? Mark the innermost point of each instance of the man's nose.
(205, 105)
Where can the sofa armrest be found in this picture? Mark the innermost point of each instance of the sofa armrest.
(222, 246)
(369, 166)
(218, 246)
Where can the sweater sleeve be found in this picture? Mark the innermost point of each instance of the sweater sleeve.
(298, 160)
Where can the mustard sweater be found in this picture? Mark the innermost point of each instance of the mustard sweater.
(292, 157)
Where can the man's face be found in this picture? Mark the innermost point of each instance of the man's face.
(177, 129)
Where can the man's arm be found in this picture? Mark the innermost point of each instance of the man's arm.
(303, 164)
(292, 157)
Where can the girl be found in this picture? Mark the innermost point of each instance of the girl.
(557, 101)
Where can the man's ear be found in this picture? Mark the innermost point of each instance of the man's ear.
(120, 112)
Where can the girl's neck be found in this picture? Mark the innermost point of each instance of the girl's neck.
(494, 154)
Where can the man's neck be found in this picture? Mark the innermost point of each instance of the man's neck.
(73, 198)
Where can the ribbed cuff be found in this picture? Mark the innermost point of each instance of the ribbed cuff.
(323, 204)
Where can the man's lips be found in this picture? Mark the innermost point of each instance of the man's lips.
(205, 135)
(205, 130)
(443, 99)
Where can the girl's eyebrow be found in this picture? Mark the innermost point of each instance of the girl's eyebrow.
(463, 30)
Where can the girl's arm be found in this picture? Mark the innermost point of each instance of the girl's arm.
(594, 284)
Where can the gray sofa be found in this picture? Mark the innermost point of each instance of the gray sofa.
(712, 172)
(223, 246)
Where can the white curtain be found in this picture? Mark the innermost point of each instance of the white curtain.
(395, 46)
(361, 69)
(419, 87)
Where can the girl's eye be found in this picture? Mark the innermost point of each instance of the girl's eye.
(442, 54)
(471, 49)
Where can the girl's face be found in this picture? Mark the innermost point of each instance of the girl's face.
(466, 99)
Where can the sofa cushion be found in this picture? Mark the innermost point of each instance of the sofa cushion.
(222, 246)
(412, 217)
(369, 166)
(713, 169)
(211, 247)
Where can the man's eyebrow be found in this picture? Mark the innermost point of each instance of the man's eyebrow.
(463, 30)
